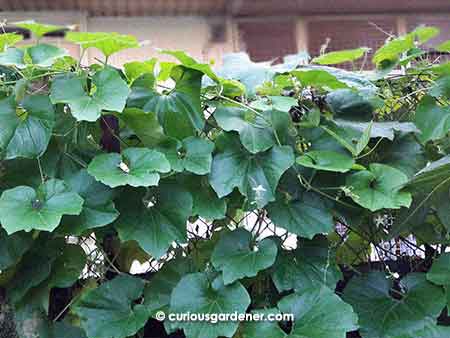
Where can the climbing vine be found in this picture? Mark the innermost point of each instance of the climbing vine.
(254, 187)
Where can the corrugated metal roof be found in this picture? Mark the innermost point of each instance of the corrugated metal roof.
(230, 7)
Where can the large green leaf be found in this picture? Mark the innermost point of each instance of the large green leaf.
(306, 215)
(326, 160)
(8, 40)
(432, 119)
(312, 264)
(108, 92)
(98, 208)
(155, 220)
(263, 328)
(13, 247)
(255, 175)
(440, 273)
(138, 167)
(255, 129)
(195, 293)
(319, 78)
(26, 126)
(206, 204)
(379, 187)
(380, 129)
(192, 154)
(351, 104)
(44, 55)
(237, 257)
(38, 29)
(179, 110)
(341, 56)
(319, 313)
(24, 208)
(145, 125)
(136, 69)
(382, 316)
(158, 291)
(13, 57)
(107, 43)
(109, 311)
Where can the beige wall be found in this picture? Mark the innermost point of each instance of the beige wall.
(189, 33)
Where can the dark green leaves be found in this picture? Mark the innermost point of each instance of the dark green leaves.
(326, 160)
(432, 119)
(195, 293)
(24, 208)
(26, 126)
(305, 216)
(382, 316)
(156, 219)
(319, 313)
(108, 91)
(193, 154)
(311, 265)
(254, 128)
(179, 110)
(256, 176)
(138, 167)
(237, 257)
(379, 187)
(109, 310)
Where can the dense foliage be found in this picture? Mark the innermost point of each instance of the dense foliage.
(140, 159)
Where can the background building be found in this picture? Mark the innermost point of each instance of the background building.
(207, 29)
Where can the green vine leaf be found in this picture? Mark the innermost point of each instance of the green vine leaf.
(24, 208)
(26, 126)
(107, 43)
(326, 160)
(38, 29)
(255, 129)
(110, 94)
(196, 294)
(319, 78)
(179, 110)
(98, 208)
(439, 274)
(432, 120)
(145, 125)
(44, 55)
(342, 56)
(237, 257)
(379, 187)
(138, 167)
(109, 311)
(13, 247)
(135, 69)
(381, 316)
(305, 216)
(312, 264)
(156, 221)
(264, 328)
(256, 176)
(192, 154)
(9, 40)
(319, 313)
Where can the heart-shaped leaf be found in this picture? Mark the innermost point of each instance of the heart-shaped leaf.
(305, 216)
(311, 265)
(138, 167)
(382, 316)
(107, 43)
(319, 313)
(379, 187)
(109, 311)
(108, 92)
(237, 257)
(341, 56)
(26, 126)
(255, 175)
(8, 40)
(155, 221)
(192, 154)
(195, 293)
(24, 208)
